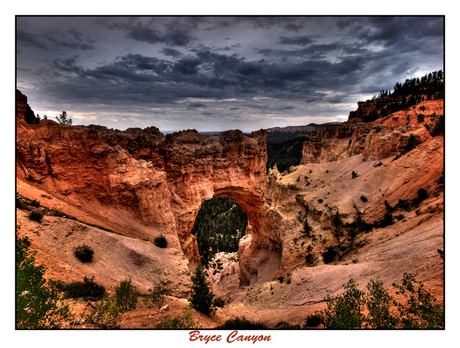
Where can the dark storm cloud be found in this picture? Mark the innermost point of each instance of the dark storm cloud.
(285, 108)
(149, 34)
(296, 40)
(66, 66)
(293, 27)
(227, 76)
(196, 105)
(28, 39)
(174, 33)
(171, 52)
(76, 41)
(49, 39)
(284, 66)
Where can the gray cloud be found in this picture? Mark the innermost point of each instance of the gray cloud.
(296, 40)
(245, 66)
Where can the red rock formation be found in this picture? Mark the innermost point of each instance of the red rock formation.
(375, 140)
(142, 184)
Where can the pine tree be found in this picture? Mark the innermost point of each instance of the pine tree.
(202, 297)
(64, 118)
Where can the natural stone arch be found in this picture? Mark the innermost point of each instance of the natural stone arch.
(259, 255)
(249, 200)
(151, 184)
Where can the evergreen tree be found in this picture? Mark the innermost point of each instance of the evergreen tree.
(202, 296)
(337, 222)
(64, 119)
(37, 306)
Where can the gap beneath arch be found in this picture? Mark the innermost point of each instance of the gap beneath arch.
(218, 227)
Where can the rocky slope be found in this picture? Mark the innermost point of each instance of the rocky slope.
(139, 184)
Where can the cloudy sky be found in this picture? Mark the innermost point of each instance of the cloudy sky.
(218, 73)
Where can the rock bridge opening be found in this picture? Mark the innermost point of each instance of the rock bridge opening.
(218, 227)
(258, 251)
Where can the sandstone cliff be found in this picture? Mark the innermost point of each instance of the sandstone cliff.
(140, 183)
(375, 140)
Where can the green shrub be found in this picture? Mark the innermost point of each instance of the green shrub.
(20, 204)
(360, 225)
(284, 325)
(179, 322)
(345, 311)
(364, 199)
(241, 323)
(84, 253)
(438, 127)
(314, 320)
(420, 118)
(36, 215)
(126, 295)
(378, 303)
(219, 302)
(160, 242)
(105, 313)
(34, 203)
(158, 296)
(418, 309)
(88, 289)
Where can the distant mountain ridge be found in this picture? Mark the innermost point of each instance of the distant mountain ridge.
(281, 134)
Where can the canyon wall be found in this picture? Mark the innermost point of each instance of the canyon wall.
(142, 184)
(375, 140)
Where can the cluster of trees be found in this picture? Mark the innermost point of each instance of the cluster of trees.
(30, 117)
(415, 308)
(285, 154)
(219, 226)
(409, 93)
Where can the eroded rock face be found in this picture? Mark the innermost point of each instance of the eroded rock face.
(143, 184)
(375, 140)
